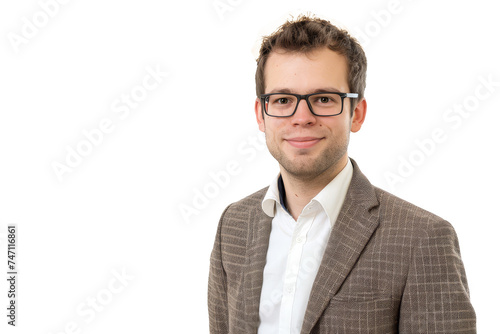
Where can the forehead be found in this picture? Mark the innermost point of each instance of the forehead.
(304, 72)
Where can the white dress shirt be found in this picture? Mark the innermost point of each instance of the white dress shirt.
(295, 252)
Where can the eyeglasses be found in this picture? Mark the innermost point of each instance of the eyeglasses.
(320, 104)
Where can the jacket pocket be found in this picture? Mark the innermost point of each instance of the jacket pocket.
(360, 313)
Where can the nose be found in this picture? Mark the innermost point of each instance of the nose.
(303, 115)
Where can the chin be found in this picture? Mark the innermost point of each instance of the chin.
(304, 169)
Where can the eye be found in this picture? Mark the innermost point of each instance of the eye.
(326, 99)
(281, 100)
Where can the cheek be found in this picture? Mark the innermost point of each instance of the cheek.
(274, 126)
(344, 124)
(337, 128)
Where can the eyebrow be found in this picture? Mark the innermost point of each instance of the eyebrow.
(318, 90)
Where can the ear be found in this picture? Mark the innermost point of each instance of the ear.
(358, 116)
(259, 116)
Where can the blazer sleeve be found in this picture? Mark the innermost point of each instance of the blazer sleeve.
(217, 288)
(436, 296)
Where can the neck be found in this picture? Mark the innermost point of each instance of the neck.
(299, 191)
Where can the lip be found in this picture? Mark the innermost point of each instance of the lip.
(303, 142)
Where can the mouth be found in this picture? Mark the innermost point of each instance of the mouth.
(303, 142)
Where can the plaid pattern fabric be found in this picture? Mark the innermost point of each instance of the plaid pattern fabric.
(389, 267)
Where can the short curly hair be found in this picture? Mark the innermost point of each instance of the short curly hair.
(306, 34)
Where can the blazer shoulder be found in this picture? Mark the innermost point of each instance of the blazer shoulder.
(247, 204)
(237, 220)
(397, 211)
(239, 215)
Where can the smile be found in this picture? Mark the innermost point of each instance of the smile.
(303, 142)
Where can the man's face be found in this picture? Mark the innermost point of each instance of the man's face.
(308, 146)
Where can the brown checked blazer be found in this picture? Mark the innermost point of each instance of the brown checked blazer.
(389, 267)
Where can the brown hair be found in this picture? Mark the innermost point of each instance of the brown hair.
(306, 34)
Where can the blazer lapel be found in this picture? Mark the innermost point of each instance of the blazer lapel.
(355, 224)
(258, 242)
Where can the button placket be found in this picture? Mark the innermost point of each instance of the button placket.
(299, 238)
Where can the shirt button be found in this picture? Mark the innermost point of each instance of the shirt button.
(300, 239)
(289, 289)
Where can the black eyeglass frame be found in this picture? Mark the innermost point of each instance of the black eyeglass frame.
(300, 97)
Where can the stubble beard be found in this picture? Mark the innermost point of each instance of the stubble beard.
(305, 167)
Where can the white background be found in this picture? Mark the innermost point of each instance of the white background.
(119, 209)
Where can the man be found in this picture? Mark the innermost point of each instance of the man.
(321, 250)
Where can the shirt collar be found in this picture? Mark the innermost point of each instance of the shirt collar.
(330, 198)
(333, 195)
(271, 198)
